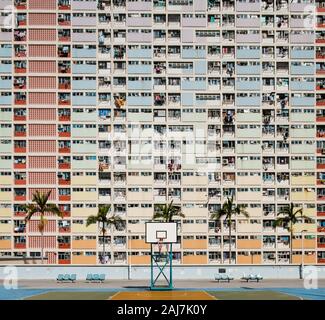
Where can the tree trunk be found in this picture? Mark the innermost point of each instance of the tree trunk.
(229, 240)
(42, 247)
(291, 235)
(103, 261)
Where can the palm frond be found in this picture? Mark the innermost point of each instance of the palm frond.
(91, 220)
(31, 209)
(167, 212)
(54, 209)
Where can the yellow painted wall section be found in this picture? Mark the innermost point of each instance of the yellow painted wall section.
(310, 227)
(84, 196)
(81, 228)
(82, 259)
(140, 212)
(303, 196)
(249, 227)
(140, 196)
(195, 181)
(84, 244)
(140, 259)
(5, 196)
(310, 212)
(83, 212)
(195, 244)
(249, 244)
(5, 212)
(88, 180)
(137, 228)
(194, 212)
(5, 244)
(250, 180)
(138, 244)
(308, 243)
(304, 180)
(194, 196)
(192, 228)
(5, 227)
(139, 180)
(195, 259)
(254, 212)
(6, 180)
(308, 259)
(249, 196)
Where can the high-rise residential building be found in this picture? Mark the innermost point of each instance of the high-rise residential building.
(137, 103)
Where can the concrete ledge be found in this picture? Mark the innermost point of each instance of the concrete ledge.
(46, 272)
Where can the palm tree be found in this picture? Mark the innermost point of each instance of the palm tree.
(41, 206)
(289, 217)
(227, 211)
(104, 221)
(167, 212)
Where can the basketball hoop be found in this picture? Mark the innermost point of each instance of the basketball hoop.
(161, 235)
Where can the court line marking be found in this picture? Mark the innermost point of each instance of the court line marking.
(213, 297)
(111, 297)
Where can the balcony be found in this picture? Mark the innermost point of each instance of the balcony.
(64, 4)
(64, 100)
(20, 198)
(19, 4)
(64, 197)
(64, 261)
(20, 182)
(64, 245)
(20, 245)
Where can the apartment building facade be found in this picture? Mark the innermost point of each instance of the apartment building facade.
(137, 103)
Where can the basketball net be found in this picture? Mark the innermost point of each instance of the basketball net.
(162, 247)
(160, 244)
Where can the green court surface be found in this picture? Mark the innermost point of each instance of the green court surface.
(66, 295)
(175, 295)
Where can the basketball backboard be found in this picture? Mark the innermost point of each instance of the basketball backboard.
(163, 232)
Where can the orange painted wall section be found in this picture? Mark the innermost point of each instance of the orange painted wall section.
(249, 244)
(308, 259)
(195, 259)
(138, 244)
(195, 244)
(250, 259)
(308, 244)
(139, 259)
(5, 244)
(83, 244)
(83, 259)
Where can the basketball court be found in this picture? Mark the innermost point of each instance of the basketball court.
(161, 236)
(163, 295)
(181, 295)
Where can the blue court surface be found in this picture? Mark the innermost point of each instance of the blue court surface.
(23, 293)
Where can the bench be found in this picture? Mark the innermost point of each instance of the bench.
(95, 277)
(223, 277)
(66, 278)
(252, 277)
